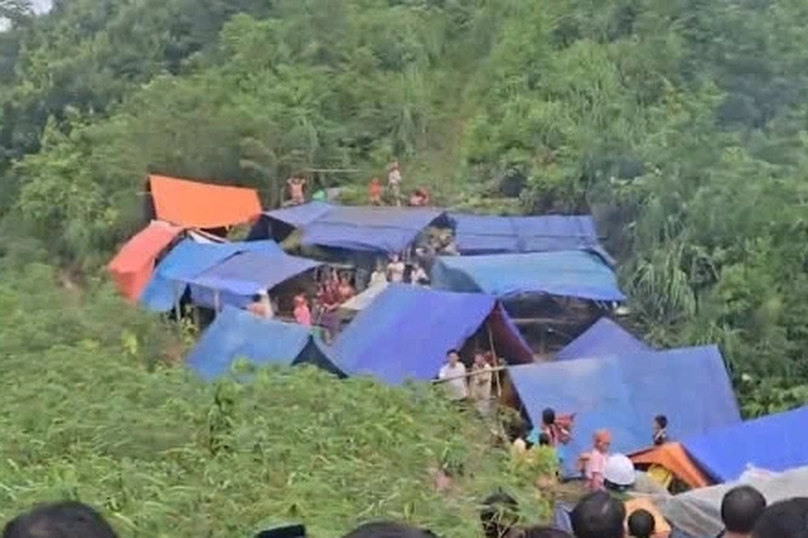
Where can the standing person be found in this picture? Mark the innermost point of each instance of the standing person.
(594, 462)
(660, 426)
(741, 507)
(394, 181)
(454, 374)
(302, 311)
(395, 269)
(296, 186)
(378, 276)
(262, 305)
(480, 383)
(375, 191)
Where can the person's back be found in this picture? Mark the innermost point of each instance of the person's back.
(784, 519)
(598, 515)
(544, 532)
(388, 529)
(59, 520)
(740, 509)
(641, 524)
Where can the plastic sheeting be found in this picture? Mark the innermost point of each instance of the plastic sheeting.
(623, 394)
(566, 274)
(698, 512)
(188, 260)
(202, 205)
(605, 337)
(405, 333)
(483, 234)
(673, 458)
(775, 443)
(363, 300)
(132, 266)
(238, 334)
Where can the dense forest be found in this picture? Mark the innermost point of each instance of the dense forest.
(680, 124)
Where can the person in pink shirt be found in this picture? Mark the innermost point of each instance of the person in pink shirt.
(595, 461)
(302, 312)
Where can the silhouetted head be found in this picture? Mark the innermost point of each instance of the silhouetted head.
(598, 515)
(784, 519)
(548, 416)
(544, 532)
(660, 422)
(388, 529)
(59, 520)
(500, 512)
(641, 524)
(740, 508)
(452, 357)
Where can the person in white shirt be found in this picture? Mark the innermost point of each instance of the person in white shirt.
(395, 269)
(454, 374)
(480, 383)
(394, 181)
(379, 276)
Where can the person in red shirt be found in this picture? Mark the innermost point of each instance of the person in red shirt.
(375, 191)
(302, 312)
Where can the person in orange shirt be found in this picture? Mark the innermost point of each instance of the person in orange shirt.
(375, 191)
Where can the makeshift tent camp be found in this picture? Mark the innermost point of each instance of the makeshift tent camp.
(775, 443)
(673, 457)
(362, 300)
(623, 393)
(242, 275)
(406, 331)
(238, 334)
(188, 260)
(279, 223)
(566, 274)
(487, 234)
(132, 266)
(605, 337)
(201, 205)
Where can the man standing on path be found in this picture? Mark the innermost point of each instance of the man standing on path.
(454, 375)
(394, 181)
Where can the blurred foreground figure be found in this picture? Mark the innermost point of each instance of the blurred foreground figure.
(59, 520)
(388, 529)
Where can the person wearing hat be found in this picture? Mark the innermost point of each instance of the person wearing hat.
(618, 473)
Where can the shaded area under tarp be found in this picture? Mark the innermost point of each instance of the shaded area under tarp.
(407, 330)
(188, 260)
(576, 274)
(623, 393)
(674, 459)
(775, 443)
(238, 334)
(132, 266)
(602, 338)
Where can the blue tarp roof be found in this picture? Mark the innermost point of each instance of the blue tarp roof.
(188, 260)
(623, 393)
(405, 333)
(603, 338)
(246, 273)
(775, 443)
(571, 273)
(300, 215)
(238, 334)
(487, 234)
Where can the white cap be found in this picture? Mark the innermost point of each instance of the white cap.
(619, 470)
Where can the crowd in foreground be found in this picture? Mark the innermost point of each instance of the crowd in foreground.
(744, 512)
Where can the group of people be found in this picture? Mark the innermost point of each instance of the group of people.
(475, 385)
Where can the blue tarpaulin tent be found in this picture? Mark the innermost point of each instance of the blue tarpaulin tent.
(238, 334)
(623, 393)
(242, 275)
(405, 333)
(775, 443)
(188, 260)
(571, 273)
(487, 234)
(603, 338)
(277, 224)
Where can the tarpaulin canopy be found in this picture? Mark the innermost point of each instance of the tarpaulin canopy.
(624, 392)
(605, 337)
(132, 267)
(247, 273)
(279, 223)
(572, 273)
(238, 334)
(406, 331)
(362, 300)
(774, 443)
(673, 457)
(188, 260)
(202, 205)
(487, 234)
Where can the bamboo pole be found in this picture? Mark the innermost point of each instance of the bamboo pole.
(496, 357)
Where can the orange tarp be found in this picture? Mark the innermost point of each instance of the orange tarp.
(661, 527)
(132, 267)
(202, 205)
(673, 457)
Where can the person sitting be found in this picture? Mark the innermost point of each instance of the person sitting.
(68, 519)
(499, 516)
(598, 515)
(388, 529)
(296, 186)
(302, 312)
(418, 276)
(261, 305)
(784, 519)
(344, 290)
(375, 191)
(641, 524)
(740, 509)
(594, 462)
(660, 432)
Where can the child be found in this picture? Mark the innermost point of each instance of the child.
(659, 428)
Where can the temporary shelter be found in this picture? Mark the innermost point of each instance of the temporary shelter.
(578, 274)
(132, 266)
(673, 458)
(406, 331)
(624, 392)
(361, 301)
(186, 261)
(602, 338)
(193, 204)
(238, 334)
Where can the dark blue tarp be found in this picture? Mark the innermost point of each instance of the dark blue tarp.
(405, 333)
(238, 334)
(485, 234)
(245, 274)
(603, 338)
(188, 260)
(775, 443)
(623, 393)
(279, 223)
(572, 273)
